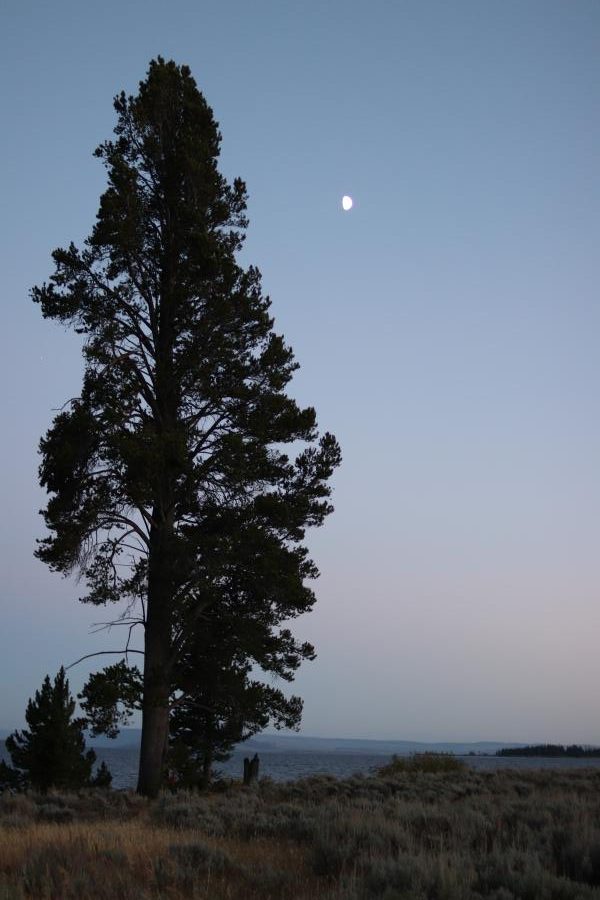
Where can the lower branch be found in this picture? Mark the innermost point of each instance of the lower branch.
(102, 653)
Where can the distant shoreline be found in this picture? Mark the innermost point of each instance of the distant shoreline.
(552, 751)
(292, 760)
(277, 743)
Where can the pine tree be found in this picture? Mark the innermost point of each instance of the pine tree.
(214, 702)
(52, 752)
(103, 776)
(206, 726)
(10, 779)
(218, 702)
(173, 455)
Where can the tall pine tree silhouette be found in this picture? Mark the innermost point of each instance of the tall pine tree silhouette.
(170, 488)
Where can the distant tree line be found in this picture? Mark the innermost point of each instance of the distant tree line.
(571, 750)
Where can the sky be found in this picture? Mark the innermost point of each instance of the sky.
(446, 328)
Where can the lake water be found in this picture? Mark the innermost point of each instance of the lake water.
(286, 765)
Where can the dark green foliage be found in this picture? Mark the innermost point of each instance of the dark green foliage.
(202, 734)
(10, 779)
(218, 704)
(170, 488)
(51, 753)
(215, 704)
(110, 697)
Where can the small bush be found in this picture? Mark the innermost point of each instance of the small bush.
(329, 859)
(10, 891)
(200, 857)
(188, 812)
(187, 865)
(73, 872)
(19, 805)
(53, 812)
(180, 816)
(577, 855)
(422, 762)
(270, 882)
(15, 821)
(392, 877)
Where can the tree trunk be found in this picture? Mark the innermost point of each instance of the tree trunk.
(159, 614)
(157, 674)
(206, 770)
(155, 732)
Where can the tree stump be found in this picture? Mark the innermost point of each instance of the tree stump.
(251, 767)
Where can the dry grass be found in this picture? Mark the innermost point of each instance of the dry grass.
(423, 835)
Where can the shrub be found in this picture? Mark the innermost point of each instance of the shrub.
(16, 805)
(422, 762)
(577, 855)
(188, 811)
(392, 877)
(53, 812)
(200, 857)
(73, 872)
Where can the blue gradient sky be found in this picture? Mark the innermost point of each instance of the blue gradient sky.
(447, 329)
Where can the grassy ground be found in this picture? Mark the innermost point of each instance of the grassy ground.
(407, 833)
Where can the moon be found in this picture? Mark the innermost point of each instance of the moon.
(347, 202)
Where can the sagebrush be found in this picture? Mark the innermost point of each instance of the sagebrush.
(402, 833)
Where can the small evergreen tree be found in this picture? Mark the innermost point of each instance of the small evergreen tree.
(103, 777)
(10, 779)
(52, 752)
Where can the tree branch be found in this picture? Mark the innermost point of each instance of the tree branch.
(101, 653)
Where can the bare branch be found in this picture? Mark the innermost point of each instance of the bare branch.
(68, 403)
(106, 626)
(127, 650)
(116, 518)
(101, 653)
